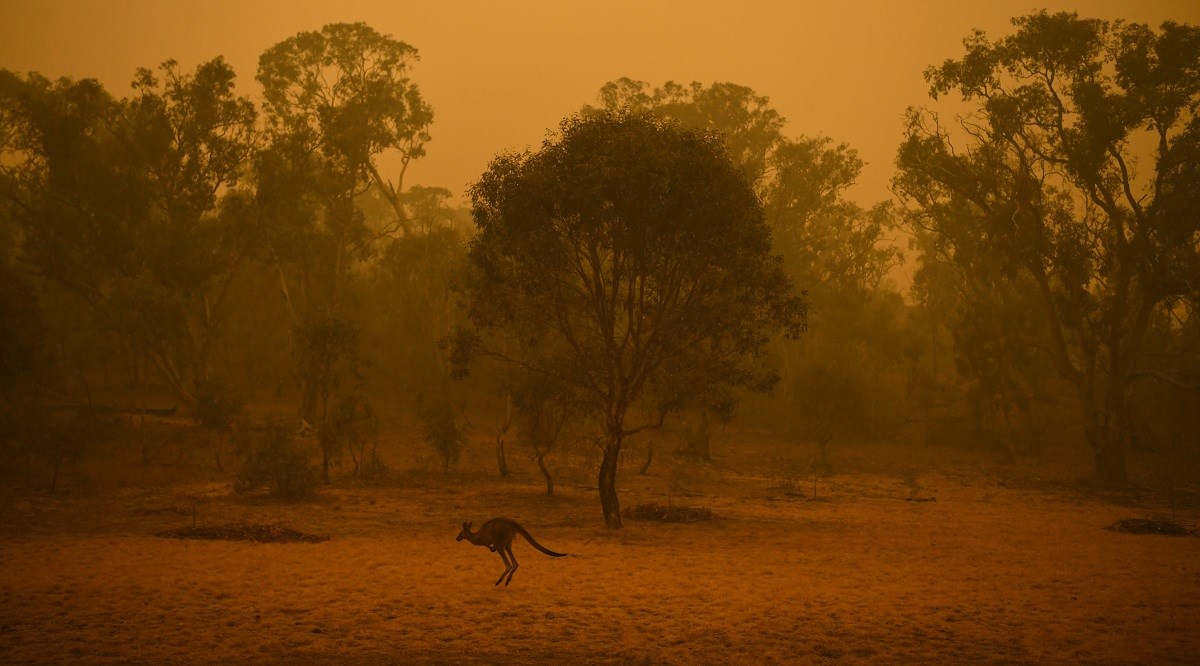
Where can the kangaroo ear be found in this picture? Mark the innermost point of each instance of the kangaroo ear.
(466, 526)
(470, 524)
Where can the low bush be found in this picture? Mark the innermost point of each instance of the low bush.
(281, 465)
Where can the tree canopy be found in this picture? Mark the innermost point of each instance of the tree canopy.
(633, 255)
(1047, 182)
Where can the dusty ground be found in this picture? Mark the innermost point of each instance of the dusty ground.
(991, 572)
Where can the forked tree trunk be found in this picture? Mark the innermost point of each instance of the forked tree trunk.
(609, 503)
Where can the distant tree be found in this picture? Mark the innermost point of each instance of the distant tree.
(125, 203)
(837, 250)
(336, 101)
(750, 127)
(443, 428)
(543, 409)
(831, 405)
(990, 316)
(24, 366)
(1042, 174)
(279, 463)
(346, 91)
(633, 255)
(328, 353)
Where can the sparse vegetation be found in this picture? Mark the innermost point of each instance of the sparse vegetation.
(279, 463)
(270, 533)
(671, 513)
(950, 426)
(443, 431)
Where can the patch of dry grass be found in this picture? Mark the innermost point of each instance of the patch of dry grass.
(987, 574)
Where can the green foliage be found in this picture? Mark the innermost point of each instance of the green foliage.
(632, 260)
(328, 351)
(344, 96)
(1043, 206)
(831, 403)
(281, 465)
(120, 203)
(837, 251)
(217, 407)
(22, 356)
(636, 247)
(439, 416)
(353, 426)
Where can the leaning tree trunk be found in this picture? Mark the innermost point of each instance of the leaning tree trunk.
(609, 503)
(541, 462)
(649, 460)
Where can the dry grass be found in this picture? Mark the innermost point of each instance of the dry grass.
(986, 574)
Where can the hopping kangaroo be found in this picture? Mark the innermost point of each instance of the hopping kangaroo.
(497, 534)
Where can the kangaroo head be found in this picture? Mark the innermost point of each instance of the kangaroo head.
(466, 531)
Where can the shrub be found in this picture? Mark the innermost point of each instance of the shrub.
(280, 465)
(442, 430)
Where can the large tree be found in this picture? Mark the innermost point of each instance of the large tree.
(632, 259)
(1077, 168)
(125, 203)
(339, 104)
(832, 247)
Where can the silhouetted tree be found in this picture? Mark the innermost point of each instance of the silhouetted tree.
(336, 101)
(1041, 173)
(835, 249)
(328, 352)
(638, 251)
(123, 203)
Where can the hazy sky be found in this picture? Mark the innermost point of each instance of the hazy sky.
(498, 74)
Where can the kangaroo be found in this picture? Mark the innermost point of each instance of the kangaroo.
(497, 534)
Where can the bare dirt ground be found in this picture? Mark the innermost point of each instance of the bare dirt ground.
(1001, 568)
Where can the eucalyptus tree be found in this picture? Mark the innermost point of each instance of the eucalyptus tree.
(631, 257)
(129, 205)
(1077, 169)
(835, 249)
(339, 103)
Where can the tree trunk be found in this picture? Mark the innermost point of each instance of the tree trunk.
(698, 439)
(541, 461)
(609, 503)
(501, 431)
(501, 461)
(323, 435)
(1103, 427)
(308, 401)
(649, 459)
(1108, 450)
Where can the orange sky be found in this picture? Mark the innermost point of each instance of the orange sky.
(500, 73)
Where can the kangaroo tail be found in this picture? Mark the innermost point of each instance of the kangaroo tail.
(533, 542)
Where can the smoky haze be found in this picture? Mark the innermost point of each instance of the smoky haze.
(761, 332)
(499, 75)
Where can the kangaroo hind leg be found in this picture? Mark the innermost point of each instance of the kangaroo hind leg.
(508, 568)
(514, 566)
